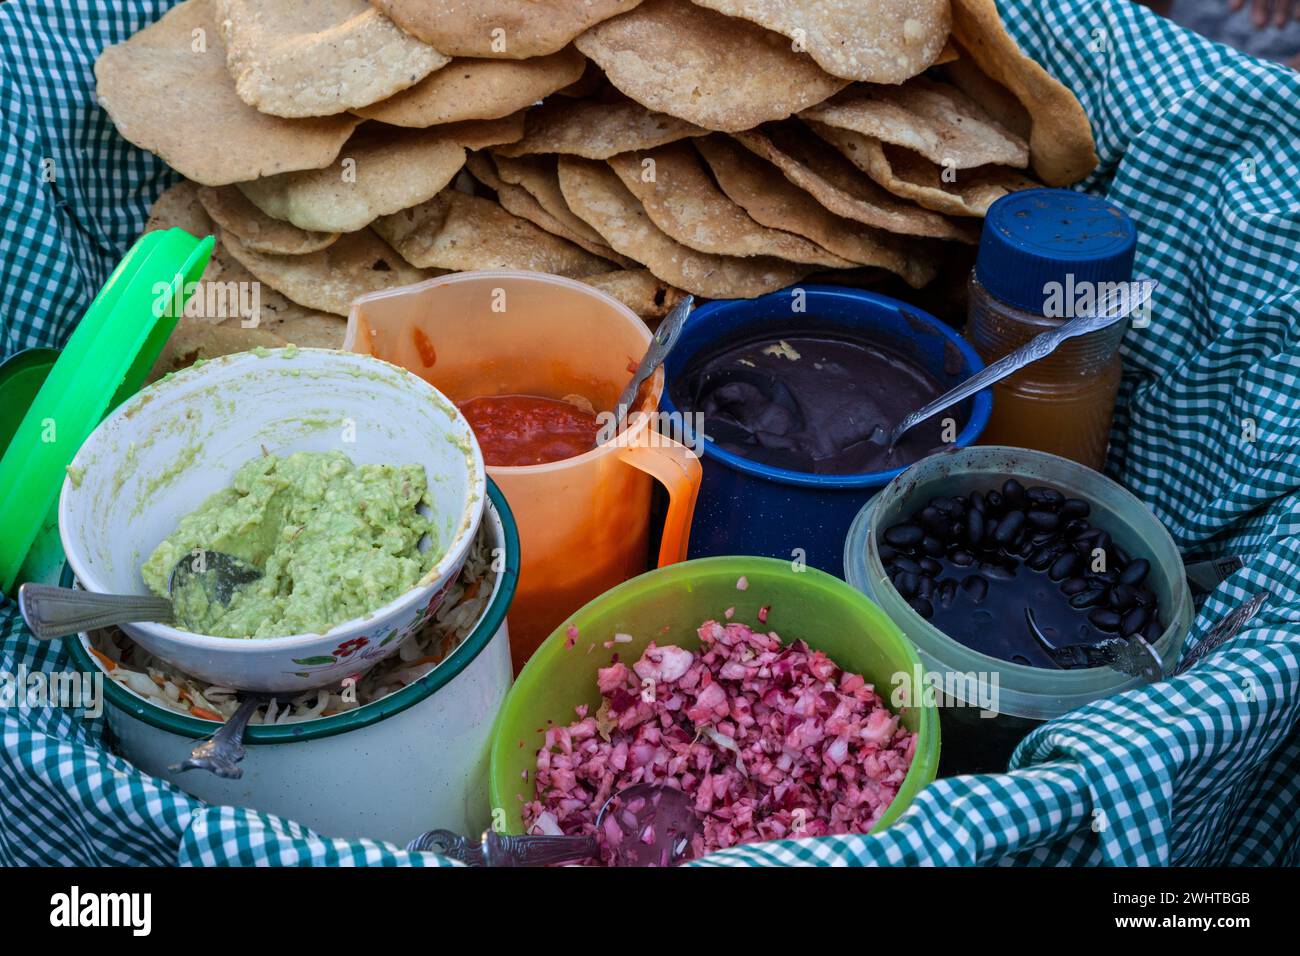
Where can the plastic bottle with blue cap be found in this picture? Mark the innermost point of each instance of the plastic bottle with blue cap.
(1046, 256)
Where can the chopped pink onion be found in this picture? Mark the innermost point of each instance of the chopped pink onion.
(770, 740)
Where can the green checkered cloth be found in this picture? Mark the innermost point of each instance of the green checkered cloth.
(1199, 144)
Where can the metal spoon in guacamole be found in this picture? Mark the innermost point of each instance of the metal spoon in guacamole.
(198, 577)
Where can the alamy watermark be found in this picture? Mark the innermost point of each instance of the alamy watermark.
(214, 301)
(34, 690)
(1083, 297)
(77, 908)
(922, 688)
(665, 430)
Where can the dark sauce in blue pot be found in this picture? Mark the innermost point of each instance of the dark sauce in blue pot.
(816, 403)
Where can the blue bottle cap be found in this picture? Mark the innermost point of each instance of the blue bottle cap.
(1036, 237)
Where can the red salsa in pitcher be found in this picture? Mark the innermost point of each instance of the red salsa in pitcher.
(528, 429)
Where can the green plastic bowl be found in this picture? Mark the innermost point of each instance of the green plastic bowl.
(667, 606)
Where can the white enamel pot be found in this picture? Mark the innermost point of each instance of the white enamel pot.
(413, 761)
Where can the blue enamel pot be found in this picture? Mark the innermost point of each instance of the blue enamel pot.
(750, 508)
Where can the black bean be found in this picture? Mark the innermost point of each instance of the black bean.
(933, 521)
(908, 565)
(1104, 620)
(1134, 620)
(1122, 597)
(996, 571)
(924, 587)
(1043, 520)
(930, 567)
(975, 585)
(1145, 596)
(1153, 631)
(961, 558)
(977, 501)
(993, 502)
(974, 527)
(1042, 537)
(1075, 528)
(922, 607)
(1087, 534)
(904, 535)
(1039, 559)
(887, 553)
(1064, 566)
(1088, 598)
(1102, 540)
(1075, 508)
(1013, 493)
(1136, 572)
(947, 591)
(1042, 495)
(906, 583)
(933, 546)
(1008, 526)
(957, 528)
(1106, 578)
(949, 507)
(1025, 547)
(1121, 556)
(1074, 586)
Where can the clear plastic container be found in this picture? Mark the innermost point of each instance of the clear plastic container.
(1045, 256)
(1062, 404)
(1025, 696)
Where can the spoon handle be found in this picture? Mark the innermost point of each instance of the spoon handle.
(53, 612)
(1115, 307)
(449, 844)
(221, 753)
(1036, 348)
(665, 338)
(500, 849)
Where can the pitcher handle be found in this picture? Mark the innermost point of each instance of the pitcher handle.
(677, 468)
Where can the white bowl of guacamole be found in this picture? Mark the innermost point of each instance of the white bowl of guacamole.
(353, 485)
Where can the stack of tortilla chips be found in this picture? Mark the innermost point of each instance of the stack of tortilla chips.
(724, 148)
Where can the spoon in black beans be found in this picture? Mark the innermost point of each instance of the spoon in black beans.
(1022, 574)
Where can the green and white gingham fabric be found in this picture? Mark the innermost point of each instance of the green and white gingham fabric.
(1199, 144)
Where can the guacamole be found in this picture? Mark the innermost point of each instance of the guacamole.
(334, 541)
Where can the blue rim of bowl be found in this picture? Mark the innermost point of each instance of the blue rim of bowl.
(321, 727)
(981, 408)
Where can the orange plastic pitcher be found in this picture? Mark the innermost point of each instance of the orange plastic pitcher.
(584, 521)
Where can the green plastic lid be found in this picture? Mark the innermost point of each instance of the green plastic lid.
(105, 361)
(21, 377)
